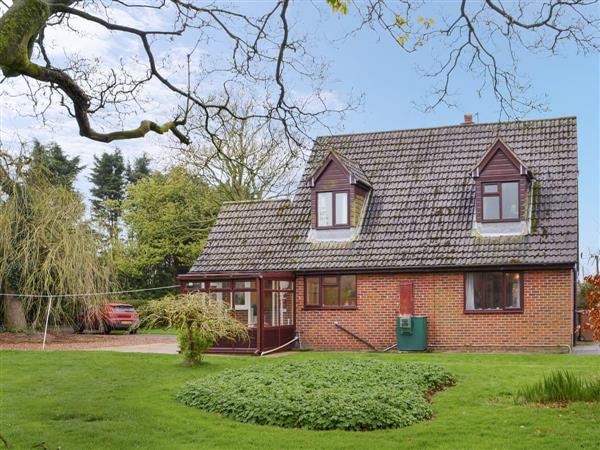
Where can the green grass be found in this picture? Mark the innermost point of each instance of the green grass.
(96, 400)
(173, 331)
(562, 386)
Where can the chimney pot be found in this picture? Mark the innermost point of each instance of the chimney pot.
(468, 119)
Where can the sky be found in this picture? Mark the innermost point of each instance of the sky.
(369, 64)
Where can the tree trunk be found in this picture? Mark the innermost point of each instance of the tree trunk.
(14, 314)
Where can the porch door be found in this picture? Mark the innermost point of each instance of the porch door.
(278, 311)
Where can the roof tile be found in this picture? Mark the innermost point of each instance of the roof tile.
(421, 209)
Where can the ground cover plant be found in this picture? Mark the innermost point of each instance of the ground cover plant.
(108, 400)
(322, 395)
(561, 387)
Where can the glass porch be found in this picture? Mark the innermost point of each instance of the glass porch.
(264, 302)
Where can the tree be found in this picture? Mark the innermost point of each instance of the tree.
(139, 169)
(168, 217)
(253, 51)
(108, 178)
(583, 290)
(46, 248)
(258, 50)
(593, 296)
(200, 319)
(50, 161)
(246, 164)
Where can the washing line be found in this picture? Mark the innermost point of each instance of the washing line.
(89, 294)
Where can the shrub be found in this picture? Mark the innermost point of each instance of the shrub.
(561, 387)
(593, 295)
(322, 395)
(200, 319)
(583, 290)
(137, 303)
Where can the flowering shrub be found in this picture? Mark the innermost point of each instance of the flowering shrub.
(593, 296)
(346, 394)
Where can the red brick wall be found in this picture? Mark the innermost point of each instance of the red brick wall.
(545, 324)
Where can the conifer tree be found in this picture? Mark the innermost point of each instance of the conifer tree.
(139, 169)
(49, 161)
(108, 191)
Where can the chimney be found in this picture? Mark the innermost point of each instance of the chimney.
(468, 119)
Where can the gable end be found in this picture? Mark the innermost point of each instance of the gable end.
(498, 161)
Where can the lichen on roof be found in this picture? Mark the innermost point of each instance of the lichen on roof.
(413, 221)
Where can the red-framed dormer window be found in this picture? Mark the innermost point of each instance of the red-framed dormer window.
(333, 209)
(501, 201)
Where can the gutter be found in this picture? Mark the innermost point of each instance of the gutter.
(439, 268)
(234, 274)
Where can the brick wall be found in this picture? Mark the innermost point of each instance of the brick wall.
(544, 325)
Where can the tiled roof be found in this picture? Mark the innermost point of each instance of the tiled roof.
(354, 168)
(421, 209)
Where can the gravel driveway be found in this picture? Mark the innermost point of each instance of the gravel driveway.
(63, 340)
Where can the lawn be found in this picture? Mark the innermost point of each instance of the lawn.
(94, 400)
(157, 331)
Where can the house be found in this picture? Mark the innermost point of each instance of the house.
(474, 226)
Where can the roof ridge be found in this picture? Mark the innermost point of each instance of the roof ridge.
(460, 125)
(235, 202)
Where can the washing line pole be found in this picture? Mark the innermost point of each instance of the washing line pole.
(87, 294)
(47, 320)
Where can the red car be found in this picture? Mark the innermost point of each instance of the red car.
(113, 316)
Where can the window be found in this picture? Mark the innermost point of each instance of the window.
(493, 291)
(500, 201)
(332, 209)
(510, 200)
(331, 291)
(194, 285)
(312, 292)
(280, 285)
(341, 208)
(279, 303)
(325, 209)
(244, 284)
(219, 285)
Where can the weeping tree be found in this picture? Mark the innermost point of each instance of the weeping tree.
(201, 320)
(46, 248)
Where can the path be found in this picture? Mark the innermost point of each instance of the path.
(587, 348)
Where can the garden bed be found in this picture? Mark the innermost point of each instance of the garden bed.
(322, 395)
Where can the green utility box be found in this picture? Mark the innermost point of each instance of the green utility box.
(411, 333)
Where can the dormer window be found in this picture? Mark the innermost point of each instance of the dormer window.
(501, 190)
(500, 201)
(340, 193)
(332, 209)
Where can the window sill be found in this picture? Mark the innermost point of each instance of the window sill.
(329, 308)
(493, 311)
(500, 220)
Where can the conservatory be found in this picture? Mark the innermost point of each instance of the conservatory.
(263, 301)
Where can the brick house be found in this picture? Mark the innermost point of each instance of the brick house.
(474, 226)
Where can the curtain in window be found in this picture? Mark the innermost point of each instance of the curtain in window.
(470, 291)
